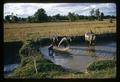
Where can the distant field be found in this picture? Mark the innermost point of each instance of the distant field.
(20, 32)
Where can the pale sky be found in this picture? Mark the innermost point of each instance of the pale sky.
(28, 9)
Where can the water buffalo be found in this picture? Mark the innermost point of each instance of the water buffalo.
(65, 40)
(90, 37)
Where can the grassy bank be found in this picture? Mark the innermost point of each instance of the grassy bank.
(16, 31)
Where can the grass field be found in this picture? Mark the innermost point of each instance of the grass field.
(22, 31)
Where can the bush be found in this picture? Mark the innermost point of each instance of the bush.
(100, 65)
(45, 67)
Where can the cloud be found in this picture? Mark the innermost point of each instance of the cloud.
(28, 9)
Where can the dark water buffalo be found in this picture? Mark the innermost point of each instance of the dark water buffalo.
(90, 37)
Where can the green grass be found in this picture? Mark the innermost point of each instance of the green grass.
(101, 64)
(101, 74)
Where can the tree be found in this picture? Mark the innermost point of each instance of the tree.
(71, 16)
(15, 19)
(58, 17)
(101, 16)
(7, 18)
(97, 14)
(31, 19)
(77, 17)
(92, 13)
(40, 16)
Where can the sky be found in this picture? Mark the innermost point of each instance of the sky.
(28, 9)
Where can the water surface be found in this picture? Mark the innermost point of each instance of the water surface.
(81, 56)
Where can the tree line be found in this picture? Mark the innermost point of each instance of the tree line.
(41, 16)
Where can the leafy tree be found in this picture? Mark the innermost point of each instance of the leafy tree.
(12, 18)
(15, 19)
(101, 16)
(58, 17)
(30, 19)
(40, 16)
(97, 13)
(92, 13)
(77, 17)
(71, 16)
(7, 18)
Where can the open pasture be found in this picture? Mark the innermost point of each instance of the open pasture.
(22, 31)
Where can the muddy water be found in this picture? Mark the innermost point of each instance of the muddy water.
(11, 56)
(9, 68)
(81, 56)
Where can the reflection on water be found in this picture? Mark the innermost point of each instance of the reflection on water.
(9, 68)
(81, 55)
(90, 51)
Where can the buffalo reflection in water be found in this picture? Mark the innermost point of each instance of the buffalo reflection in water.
(90, 50)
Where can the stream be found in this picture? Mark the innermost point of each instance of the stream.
(81, 56)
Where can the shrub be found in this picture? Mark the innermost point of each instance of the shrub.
(103, 64)
(49, 67)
